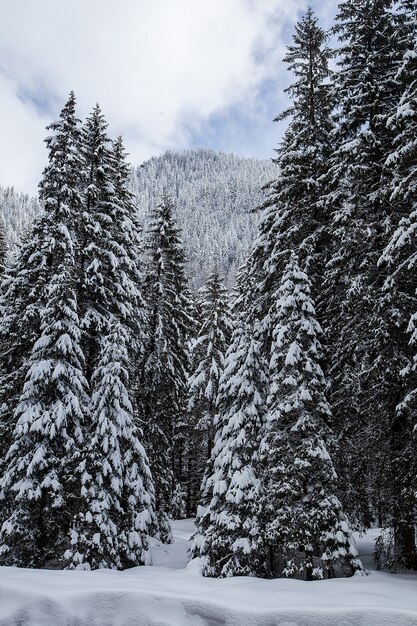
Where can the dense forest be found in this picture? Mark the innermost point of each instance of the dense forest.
(281, 413)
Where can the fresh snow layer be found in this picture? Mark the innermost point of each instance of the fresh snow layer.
(172, 593)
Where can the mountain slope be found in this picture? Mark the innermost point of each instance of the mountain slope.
(214, 194)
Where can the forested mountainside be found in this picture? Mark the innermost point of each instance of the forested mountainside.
(17, 211)
(214, 194)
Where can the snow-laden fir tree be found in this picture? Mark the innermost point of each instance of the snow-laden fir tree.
(207, 358)
(229, 535)
(116, 516)
(364, 321)
(110, 292)
(109, 241)
(39, 481)
(305, 526)
(292, 216)
(48, 253)
(399, 257)
(163, 373)
(19, 326)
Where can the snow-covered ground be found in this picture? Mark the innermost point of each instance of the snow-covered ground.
(170, 593)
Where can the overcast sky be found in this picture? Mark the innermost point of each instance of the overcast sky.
(168, 74)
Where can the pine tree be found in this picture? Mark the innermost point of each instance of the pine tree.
(207, 358)
(98, 287)
(110, 241)
(116, 516)
(305, 526)
(22, 290)
(229, 532)
(19, 326)
(365, 322)
(162, 391)
(39, 480)
(293, 216)
(399, 258)
(48, 257)
(106, 532)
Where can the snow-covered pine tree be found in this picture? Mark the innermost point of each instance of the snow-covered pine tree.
(399, 257)
(163, 373)
(305, 527)
(116, 516)
(19, 327)
(38, 485)
(365, 322)
(25, 289)
(110, 293)
(229, 534)
(292, 217)
(109, 241)
(207, 358)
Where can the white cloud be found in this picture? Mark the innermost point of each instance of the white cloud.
(159, 68)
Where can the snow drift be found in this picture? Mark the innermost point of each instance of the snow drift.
(172, 593)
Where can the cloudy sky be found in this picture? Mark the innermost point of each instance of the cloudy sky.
(168, 74)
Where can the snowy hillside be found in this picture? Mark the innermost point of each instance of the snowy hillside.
(214, 194)
(17, 210)
(172, 593)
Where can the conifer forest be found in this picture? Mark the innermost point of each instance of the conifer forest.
(208, 363)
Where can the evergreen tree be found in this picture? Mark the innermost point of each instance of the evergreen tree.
(162, 392)
(293, 216)
(105, 532)
(110, 243)
(47, 257)
(98, 264)
(399, 258)
(305, 526)
(207, 358)
(365, 322)
(38, 484)
(229, 533)
(116, 516)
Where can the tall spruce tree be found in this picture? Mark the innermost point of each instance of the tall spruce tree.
(39, 482)
(110, 295)
(43, 272)
(23, 287)
(293, 216)
(229, 532)
(116, 516)
(100, 266)
(365, 321)
(162, 392)
(207, 359)
(399, 259)
(110, 257)
(305, 527)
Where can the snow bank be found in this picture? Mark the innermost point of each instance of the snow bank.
(170, 594)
